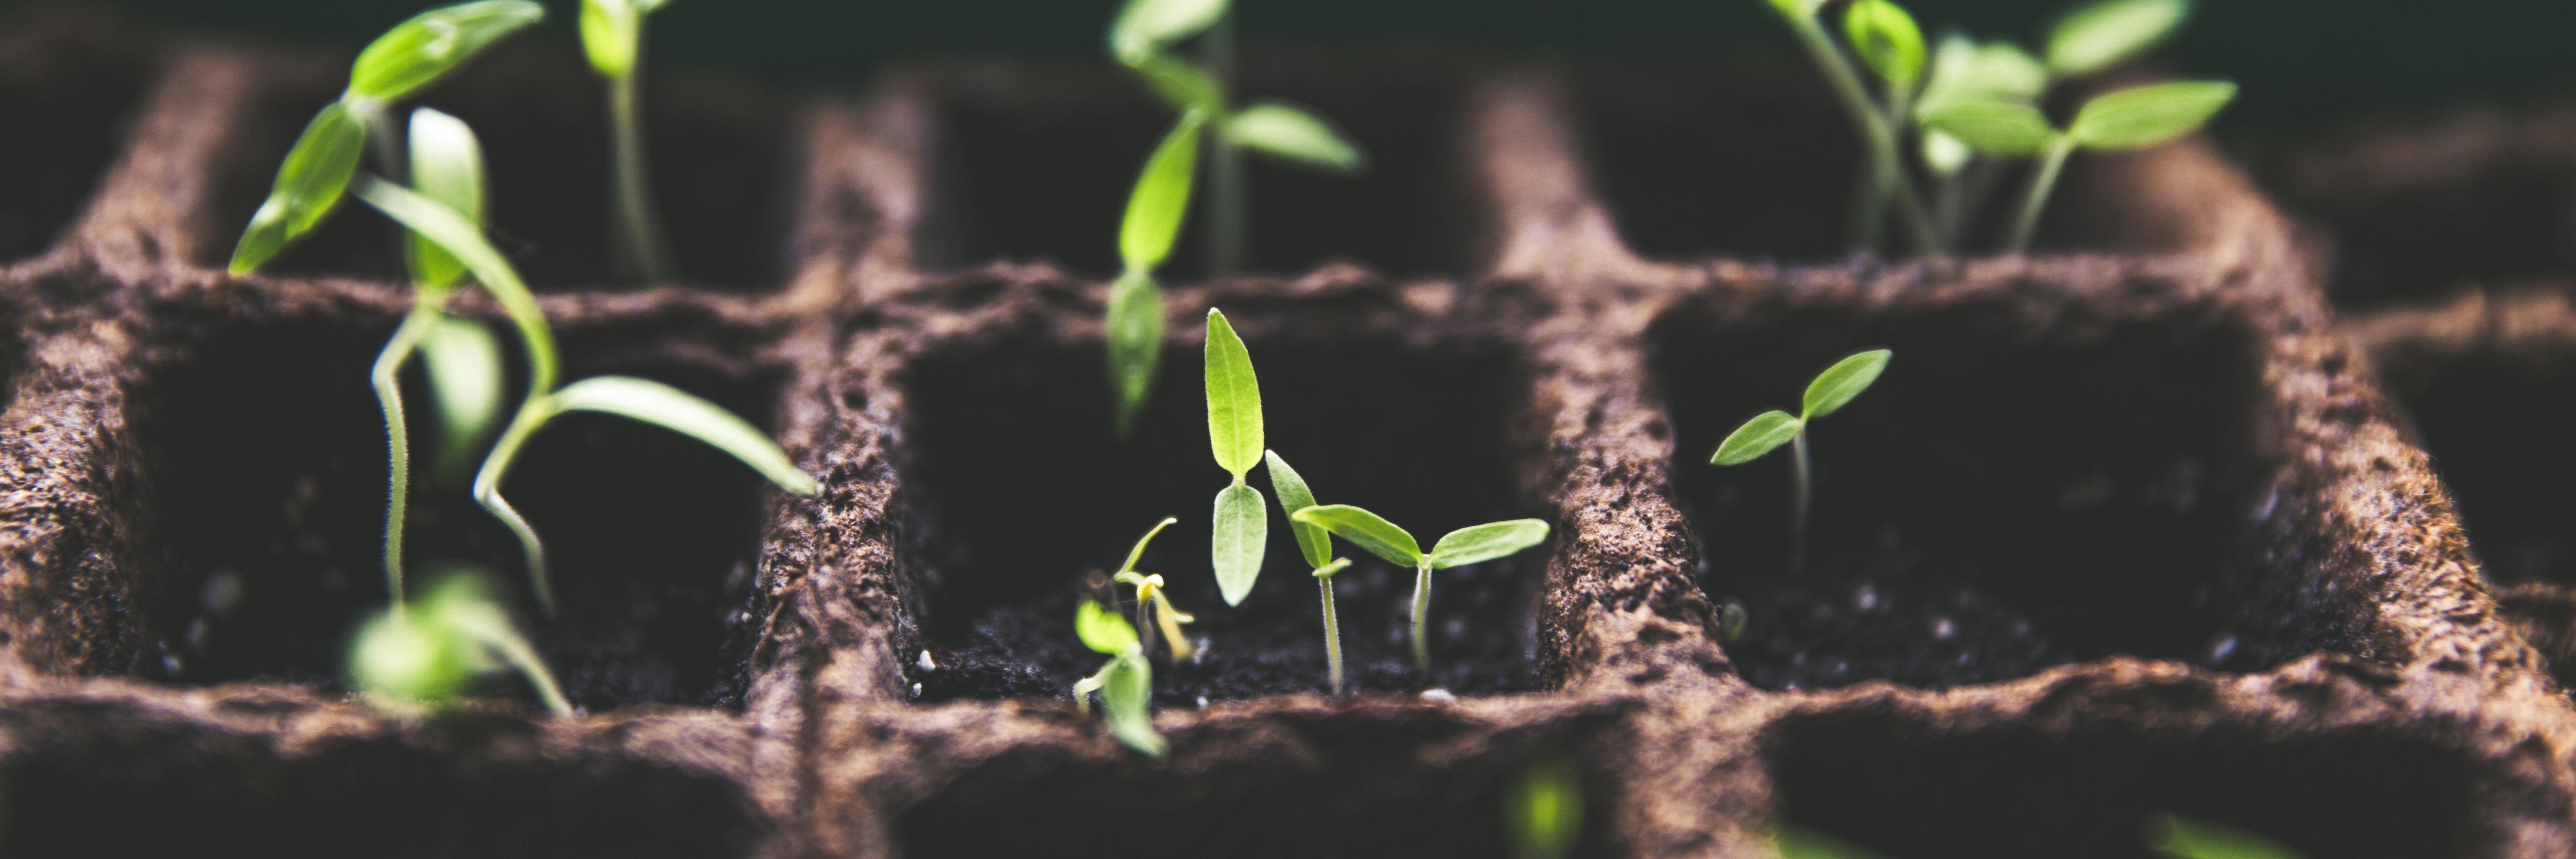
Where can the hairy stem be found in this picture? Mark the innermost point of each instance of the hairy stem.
(1332, 636)
(1875, 133)
(2037, 200)
(523, 657)
(643, 253)
(1421, 617)
(387, 379)
(1229, 212)
(487, 492)
(1799, 499)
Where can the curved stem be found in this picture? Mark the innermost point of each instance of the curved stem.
(1421, 616)
(387, 380)
(487, 492)
(1875, 133)
(2037, 200)
(1799, 500)
(523, 657)
(1144, 623)
(644, 252)
(1332, 635)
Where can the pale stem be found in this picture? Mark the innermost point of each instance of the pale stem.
(1421, 616)
(516, 651)
(642, 251)
(1144, 623)
(1869, 202)
(1880, 140)
(1332, 636)
(487, 492)
(1229, 212)
(1798, 503)
(387, 379)
(2037, 200)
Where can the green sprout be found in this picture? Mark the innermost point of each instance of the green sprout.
(1828, 393)
(1317, 545)
(2131, 118)
(398, 65)
(1887, 39)
(431, 654)
(1126, 684)
(1458, 548)
(612, 33)
(624, 396)
(1964, 70)
(1154, 600)
(2181, 837)
(1242, 531)
(1134, 327)
(1544, 810)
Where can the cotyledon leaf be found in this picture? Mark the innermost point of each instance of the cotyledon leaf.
(1127, 691)
(1162, 197)
(1479, 543)
(446, 166)
(1838, 384)
(2148, 115)
(1312, 540)
(309, 185)
(1233, 399)
(1144, 27)
(671, 408)
(2104, 34)
(1293, 134)
(1236, 545)
(1764, 433)
(1366, 530)
(611, 33)
(1997, 127)
(420, 51)
(1135, 330)
(1101, 629)
(1886, 39)
(463, 362)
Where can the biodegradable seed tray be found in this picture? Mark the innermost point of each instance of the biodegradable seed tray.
(2128, 527)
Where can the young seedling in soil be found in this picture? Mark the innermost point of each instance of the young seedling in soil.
(1826, 394)
(1545, 810)
(612, 33)
(2181, 837)
(1458, 548)
(1317, 545)
(399, 64)
(1134, 327)
(1126, 684)
(2131, 118)
(1242, 529)
(1142, 38)
(1887, 38)
(1153, 601)
(431, 654)
(624, 396)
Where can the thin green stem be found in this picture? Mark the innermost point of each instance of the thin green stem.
(1799, 501)
(1229, 212)
(2037, 199)
(387, 380)
(1870, 198)
(644, 253)
(487, 492)
(1421, 617)
(1332, 635)
(1877, 136)
(523, 657)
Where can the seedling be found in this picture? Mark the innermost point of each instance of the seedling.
(1458, 548)
(633, 398)
(1126, 684)
(2131, 118)
(1154, 601)
(431, 654)
(612, 33)
(1242, 530)
(398, 65)
(2102, 35)
(2185, 838)
(1888, 40)
(1545, 810)
(1963, 70)
(1826, 394)
(1317, 545)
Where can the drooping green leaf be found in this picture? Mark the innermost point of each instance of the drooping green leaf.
(1295, 135)
(1800, 843)
(1101, 629)
(1138, 553)
(463, 361)
(1162, 198)
(1241, 534)
(1366, 530)
(1764, 433)
(1233, 399)
(1545, 810)
(1886, 39)
(418, 52)
(1486, 542)
(2148, 115)
(1135, 331)
(1996, 127)
(611, 32)
(1182, 84)
(1312, 541)
(465, 241)
(446, 166)
(2110, 32)
(2185, 838)
(309, 185)
(1127, 693)
(679, 411)
(1145, 27)
(1838, 384)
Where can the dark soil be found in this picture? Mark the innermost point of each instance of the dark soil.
(2498, 427)
(721, 154)
(69, 83)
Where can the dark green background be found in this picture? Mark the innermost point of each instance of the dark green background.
(2304, 62)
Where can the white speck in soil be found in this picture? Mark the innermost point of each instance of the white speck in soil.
(1865, 599)
(926, 663)
(916, 690)
(1439, 696)
(1456, 626)
(222, 593)
(1943, 629)
(1202, 702)
(197, 635)
(1199, 650)
(2224, 647)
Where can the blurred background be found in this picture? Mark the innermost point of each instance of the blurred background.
(2304, 63)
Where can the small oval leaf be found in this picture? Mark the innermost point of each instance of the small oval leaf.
(1886, 39)
(1995, 127)
(1312, 540)
(1135, 331)
(1145, 27)
(676, 410)
(2148, 115)
(1102, 629)
(1486, 542)
(446, 166)
(1762, 434)
(1235, 546)
(1233, 399)
(1838, 384)
(309, 185)
(1127, 693)
(611, 31)
(463, 361)
(1366, 530)
(1294, 135)
(2110, 32)
(420, 51)
(1162, 197)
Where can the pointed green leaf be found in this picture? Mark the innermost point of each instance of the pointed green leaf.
(463, 361)
(1135, 331)
(1764, 433)
(1995, 127)
(1182, 84)
(611, 31)
(1312, 540)
(1838, 384)
(1102, 629)
(1135, 554)
(1886, 39)
(1162, 198)
(1241, 534)
(1294, 135)
(1127, 693)
(308, 186)
(464, 240)
(676, 410)
(2111, 32)
(2185, 838)
(2148, 115)
(1486, 542)
(418, 52)
(1366, 530)
(1145, 27)
(1233, 399)
(446, 166)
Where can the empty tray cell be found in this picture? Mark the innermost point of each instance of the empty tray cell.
(1036, 162)
(2417, 208)
(264, 455)
(69, 81)
(1913, 787)
(1017, 487)
(2007, 497)
(720, 151)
